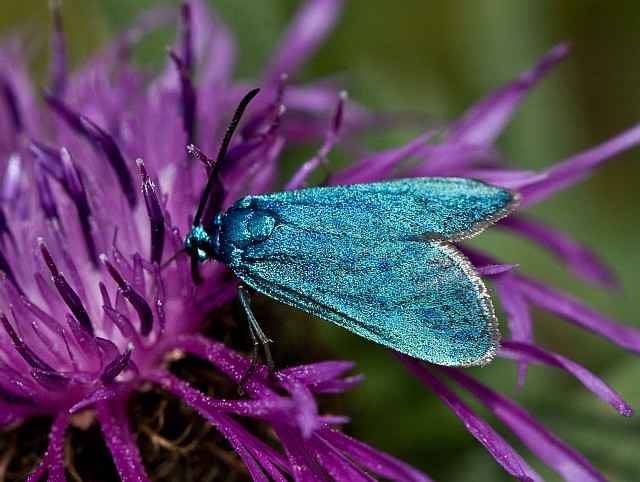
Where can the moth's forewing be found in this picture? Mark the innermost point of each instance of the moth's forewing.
(436, 208)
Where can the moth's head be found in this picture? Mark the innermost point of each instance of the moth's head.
(199, 244)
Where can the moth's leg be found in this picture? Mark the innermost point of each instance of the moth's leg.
(258, 336)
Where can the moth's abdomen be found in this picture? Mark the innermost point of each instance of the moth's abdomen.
(241, 228)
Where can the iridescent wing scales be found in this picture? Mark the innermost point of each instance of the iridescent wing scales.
(374, 259)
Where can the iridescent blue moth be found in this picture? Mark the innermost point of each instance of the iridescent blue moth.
(375, 258)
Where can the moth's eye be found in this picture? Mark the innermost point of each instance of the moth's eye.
(259, 226)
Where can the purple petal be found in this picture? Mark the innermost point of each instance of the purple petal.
(337, 386)
(40, 314)
(304, 408)
(336, 463)
(227, 361)
(187, 96)
(317, 372)
(75, 188)
(11, 101)
(15, 75)
(308, 29)
(300, 410)
(519, 351)
(116, 366)
(482, 124)
(518, 316)
(250, 452)
(308, 103)
(577, 168)
(275, 109)
(473, 137)
(108, 349)
(576, 312)
(323, 377)
(121, 442)
(452, 159)
(380, 165)
(303, 461)
(22, 348)
(145, 314)
(579, 259)
(51, 381)
(154, 211)
(49, 158)
(12, 182)
(376, 461)
(121, 322)
(58, 52)
(6, 269)
(113, 154)
(254, 453)
(571, 465)
(187, 24)
(215, 54)
(53, 460)
(100, 138)
(65, 112)
(297, 181)
(47, 201)
(504, 454)
(84, 340)
(495, 269)
(269, 166)
(214, 352)
(250, 449)
(100, 395)
(503, 177)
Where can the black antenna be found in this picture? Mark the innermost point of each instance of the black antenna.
(221, 153)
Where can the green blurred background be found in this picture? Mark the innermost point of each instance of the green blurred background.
(436, 57)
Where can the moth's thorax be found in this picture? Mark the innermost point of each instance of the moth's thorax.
(241, 227)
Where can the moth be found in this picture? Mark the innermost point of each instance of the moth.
(376, 259)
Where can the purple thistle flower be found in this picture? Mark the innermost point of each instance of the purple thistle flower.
(93, 315)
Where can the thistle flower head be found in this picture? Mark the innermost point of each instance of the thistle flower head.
(100, 188)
